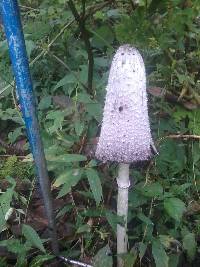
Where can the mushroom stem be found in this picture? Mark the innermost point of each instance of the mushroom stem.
(122, 210)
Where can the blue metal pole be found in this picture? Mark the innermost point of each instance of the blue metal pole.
(14, 34)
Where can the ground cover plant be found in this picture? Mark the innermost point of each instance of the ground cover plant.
(70, 45)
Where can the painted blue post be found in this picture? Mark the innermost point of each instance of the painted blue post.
(14, 34)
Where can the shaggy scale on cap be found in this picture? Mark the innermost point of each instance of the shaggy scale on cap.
(125, 133)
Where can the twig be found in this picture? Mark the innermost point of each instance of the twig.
(73, 203)
(83, 9)
(179, 136)
(109, 195)
(7, 156)
(193, 170)
(74, 262)
(150, 212)
(133, 4)
(86, 38)
(7, 87)
(195, 95)
(15, 103)
(14, 100)
(147, 172)
(93, 9)
(30, 8)
(29, 199)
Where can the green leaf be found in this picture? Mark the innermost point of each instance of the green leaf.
(171, 158)
(113, 13)
(175, 208)
(152, 190)
(64, 210)
(92, 163)
(101, 62)
(95, 184)
(95, 110)
(14, 246)
(92, 107)
(103, 36)
(190, 245)
(3, 46)
(85, 228)
(173, 260)
(179, 189)
(129, 259)
(57, 118)
(67, 158)
(113, 220)
(38, 29)
(144, 219)
(67, 79)
(84, 98)
(69, 179)
(56, 115)
(159, 254)
(102, 258)
(5, 200)
(167, 240)
(21, 260)
(45, 102)
(83, 71)
(64, 190)
(40, 259)
(142, 250)
(15, 134)
(32, 236)
(136, 199)
(30, 46)
(79, 127)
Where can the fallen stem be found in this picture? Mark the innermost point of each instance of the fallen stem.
(180, 136)
(74, 262)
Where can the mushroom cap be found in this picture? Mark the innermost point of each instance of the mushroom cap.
(125, 133)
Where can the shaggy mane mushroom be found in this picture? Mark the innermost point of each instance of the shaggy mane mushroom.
(125, 133)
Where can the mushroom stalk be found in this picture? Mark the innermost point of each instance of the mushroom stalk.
(123, 183)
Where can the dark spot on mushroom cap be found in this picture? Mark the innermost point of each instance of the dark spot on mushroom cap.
(120, 109)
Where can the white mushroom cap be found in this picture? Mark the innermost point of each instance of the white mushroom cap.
(125, 132)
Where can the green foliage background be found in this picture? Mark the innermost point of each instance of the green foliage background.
(164, 199)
